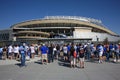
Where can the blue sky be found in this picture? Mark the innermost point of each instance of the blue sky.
(15, 11)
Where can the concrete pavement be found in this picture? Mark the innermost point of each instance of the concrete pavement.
(60, 71)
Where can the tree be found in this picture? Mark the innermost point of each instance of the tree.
(106, 41)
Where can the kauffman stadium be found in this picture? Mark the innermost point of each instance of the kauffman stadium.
(60, 28)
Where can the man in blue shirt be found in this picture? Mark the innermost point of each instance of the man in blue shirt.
(44, 51)
(68, 48)
(23, 55)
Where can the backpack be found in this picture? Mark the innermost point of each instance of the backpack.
(81, 53)
(74, 54)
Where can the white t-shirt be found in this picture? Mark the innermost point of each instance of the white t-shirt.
(10, 49)
(16, 49)
(32, 49)
(101, 49)
(65, 50)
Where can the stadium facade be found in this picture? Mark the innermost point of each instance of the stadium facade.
(69, 28)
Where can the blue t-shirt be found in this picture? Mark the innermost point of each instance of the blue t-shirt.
(68, 47)
(44, 49)
(111, 47)
(22, 50)
(101, 48)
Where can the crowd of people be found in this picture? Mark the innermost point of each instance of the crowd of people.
(72, 53)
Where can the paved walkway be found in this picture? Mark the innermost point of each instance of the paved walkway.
(59, 71)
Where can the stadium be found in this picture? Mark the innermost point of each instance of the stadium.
(60, 28)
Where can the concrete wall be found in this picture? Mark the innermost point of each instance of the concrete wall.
(94, 36)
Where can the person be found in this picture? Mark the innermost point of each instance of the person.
(72, 49)
(58, 50)
(39, 51)
(28, 52)
(106, 50)
(81, 56)
(55, 51)
(50, 53)
(65, 52)
(44, 52)
(116, 52)
(104, 53)
(101, 50)
(111, 50)
(119, 49)
(10, 52)
(93, 48)
(68, 48)
(23, 55)
(4, 53)
(74, 58)
(36, 49)
(16, 52)
(88, 51)
(32, 49)
(1, 52)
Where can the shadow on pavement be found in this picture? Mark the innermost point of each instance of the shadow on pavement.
(64, 63)
(38, 62)
(18, 64)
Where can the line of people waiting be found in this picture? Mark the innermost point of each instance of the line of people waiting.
(72, 53)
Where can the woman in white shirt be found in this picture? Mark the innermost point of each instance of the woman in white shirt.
(65, 52)
(10, 52)
(32, 49)
(16, 52)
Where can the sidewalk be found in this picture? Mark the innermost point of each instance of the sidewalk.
(8, 62)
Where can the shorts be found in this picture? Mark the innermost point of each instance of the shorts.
(15, 54)
(82, 59)
(4, 53)
(73, 62)
(100, 54)
(44, 56)
(71, 58)
(65, 54)
(10, 54)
